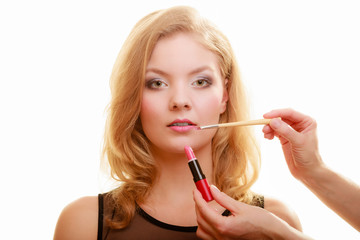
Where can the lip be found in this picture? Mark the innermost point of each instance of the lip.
(182, 129)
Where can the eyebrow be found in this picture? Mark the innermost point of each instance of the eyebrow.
(156, 70)
(194, 71)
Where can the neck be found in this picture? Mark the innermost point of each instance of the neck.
(174, 183)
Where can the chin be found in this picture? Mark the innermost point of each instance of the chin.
(176, 144)
(178, 147)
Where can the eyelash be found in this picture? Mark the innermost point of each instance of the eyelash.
(150, 84)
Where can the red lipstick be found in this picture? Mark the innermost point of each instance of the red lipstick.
(199, 177)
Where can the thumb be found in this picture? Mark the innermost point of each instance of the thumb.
(225, 201)
(284, 130)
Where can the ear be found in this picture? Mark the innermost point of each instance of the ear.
(225, 97)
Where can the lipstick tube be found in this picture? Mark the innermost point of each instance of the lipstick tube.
(199, 177)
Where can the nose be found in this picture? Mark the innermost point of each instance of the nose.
(179, 100)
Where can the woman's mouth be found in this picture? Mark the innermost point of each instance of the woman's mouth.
(183, 125)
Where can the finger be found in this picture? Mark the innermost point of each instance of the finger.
(284, 130)
(268, 132)
(203, 209)
(267, 129)
(224, 200)
(286, 114)
(205, 230)
(199, 200)
(269, 136)
(203, 234)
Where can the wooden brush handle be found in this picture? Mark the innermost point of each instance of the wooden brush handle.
(246, 123)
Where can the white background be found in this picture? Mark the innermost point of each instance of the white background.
(55, 62)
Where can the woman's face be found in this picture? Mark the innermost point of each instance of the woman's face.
(183, 89)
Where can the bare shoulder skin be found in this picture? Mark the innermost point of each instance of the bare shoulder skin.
(78, 220)
(282, 211)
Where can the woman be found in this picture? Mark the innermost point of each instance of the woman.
(176, 71)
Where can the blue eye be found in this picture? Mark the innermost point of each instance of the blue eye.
(155, 84)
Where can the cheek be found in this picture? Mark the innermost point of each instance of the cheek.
(210, 105)
(147, 110)
(145, 107)
(150, 112)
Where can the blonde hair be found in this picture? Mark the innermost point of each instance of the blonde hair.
(236, 157)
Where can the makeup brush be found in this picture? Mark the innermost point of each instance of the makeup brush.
(234, 124)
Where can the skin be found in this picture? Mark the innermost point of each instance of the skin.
(71, 224)
(182, 81)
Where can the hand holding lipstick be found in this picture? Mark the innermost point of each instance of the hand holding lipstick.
(245, 222)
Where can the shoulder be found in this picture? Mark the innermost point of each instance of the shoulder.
(282, 211)
(78, 220)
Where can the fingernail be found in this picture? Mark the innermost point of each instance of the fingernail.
(214, 187)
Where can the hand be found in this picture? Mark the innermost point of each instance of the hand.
(297, 134)
(245, 221)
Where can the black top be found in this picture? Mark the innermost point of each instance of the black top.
(144, 226)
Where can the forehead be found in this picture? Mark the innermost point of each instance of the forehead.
(182, 50)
